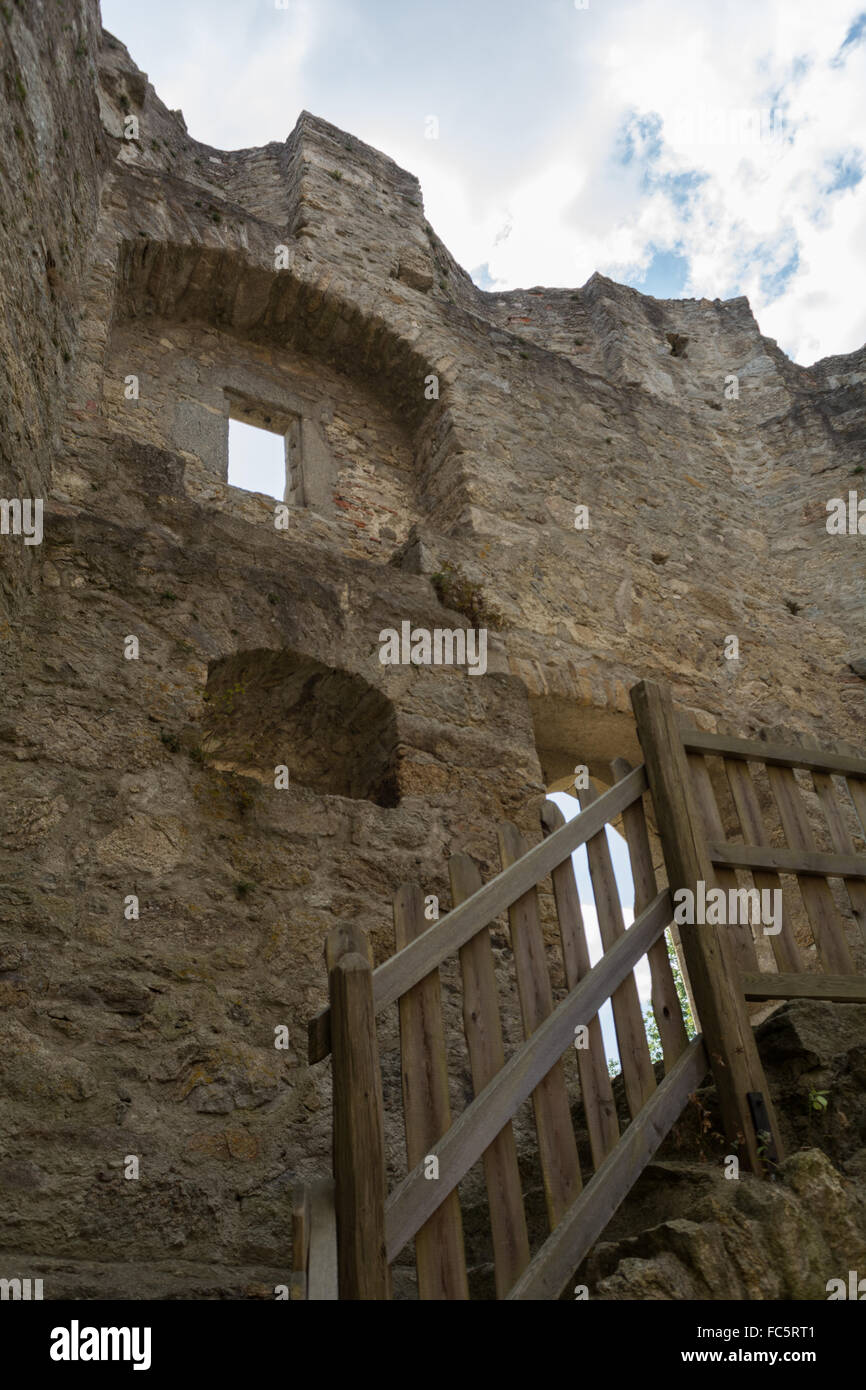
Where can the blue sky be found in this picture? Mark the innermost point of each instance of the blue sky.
(686, 147)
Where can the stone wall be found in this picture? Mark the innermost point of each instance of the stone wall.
(153, 777)
(53, 157)
(354, 462)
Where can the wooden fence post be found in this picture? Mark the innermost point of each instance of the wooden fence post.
(359, 1140)
(709, 957)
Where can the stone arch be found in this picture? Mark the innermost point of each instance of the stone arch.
(336, 733)
(243, 299)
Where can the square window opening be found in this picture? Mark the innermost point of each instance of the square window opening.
(257, 460)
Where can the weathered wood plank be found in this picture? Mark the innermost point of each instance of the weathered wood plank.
(359, 1145)
(809, 863)
(595, 1086)
(827, 926)
(411, 1202)
(857, 791)
(784, 943)
(773, 754)
(351, 937)
(300, 1228)
(322, 1271)
(446, 936)
(843, 843)
(319, 1036)
(665, 1000)
(557, 1148)
(439, 1253)
(840, 989)
(637, 1068)
(724, 1018)
(741, 932)
(483, 1030)
(563, 1251)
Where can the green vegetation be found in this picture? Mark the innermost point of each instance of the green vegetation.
(651, 1028)
(649, 1018)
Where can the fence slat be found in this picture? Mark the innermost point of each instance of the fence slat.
(784, 943)
(665, 1000)
(557, 1148)
(322, 1276)
(440, 1258)
(300, 1229)
(637, 1068)
(483, 1031)
(724, 1018)
(842, 843)
(857, 790)
(412, 1200)
(741, 932)
(359, 1142)
(827, 927)
(563, 1251)
(300, 1242)
(596, 1091)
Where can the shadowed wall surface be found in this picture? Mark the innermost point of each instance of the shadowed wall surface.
(149, 285)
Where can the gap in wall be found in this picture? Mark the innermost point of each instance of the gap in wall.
(257, 460)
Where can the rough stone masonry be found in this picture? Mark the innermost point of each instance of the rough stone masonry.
(164, 904)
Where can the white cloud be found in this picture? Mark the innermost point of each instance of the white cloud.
(538, 108)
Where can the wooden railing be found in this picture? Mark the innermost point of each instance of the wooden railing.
(830, 973)
(374, 1226)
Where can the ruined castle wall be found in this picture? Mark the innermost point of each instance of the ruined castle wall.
(154, 776)
(50, 170)
(354, 463)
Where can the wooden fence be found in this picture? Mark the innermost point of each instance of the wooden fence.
(372, 1225)
(830, 973)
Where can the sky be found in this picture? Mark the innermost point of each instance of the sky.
(257, 460)
(686, 147)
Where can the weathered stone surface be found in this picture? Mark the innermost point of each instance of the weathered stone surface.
(687, 1231)
(154, 288)
(740, 1240)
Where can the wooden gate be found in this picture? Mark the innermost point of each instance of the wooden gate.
(373, 1226)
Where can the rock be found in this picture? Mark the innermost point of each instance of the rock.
(414, 269)
(174, 639)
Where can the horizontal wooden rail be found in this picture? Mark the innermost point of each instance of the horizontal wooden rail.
(776, 754)
(788, 861)
(586, 1218)
(835, 989)
(415, 1199)
(452, 931)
